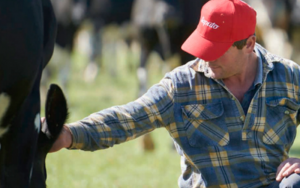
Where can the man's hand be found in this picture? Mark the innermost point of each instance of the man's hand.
(64, 140)
(288, 167)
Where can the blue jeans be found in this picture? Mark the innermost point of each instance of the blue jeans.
(292, 181)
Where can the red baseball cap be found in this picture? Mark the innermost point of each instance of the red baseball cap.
(222, 22)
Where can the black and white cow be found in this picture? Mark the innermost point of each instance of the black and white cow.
(72, 14)
(27, 35)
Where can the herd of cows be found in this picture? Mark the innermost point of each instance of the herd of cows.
(29, 30)
(157, 25)
(163, 25)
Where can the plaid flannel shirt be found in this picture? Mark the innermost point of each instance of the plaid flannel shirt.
(220, 145)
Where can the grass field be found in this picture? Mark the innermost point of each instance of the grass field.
(126, 165)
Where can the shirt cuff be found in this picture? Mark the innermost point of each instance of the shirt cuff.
(77, 135)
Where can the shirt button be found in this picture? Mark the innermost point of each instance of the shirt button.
(287, 112)
(249, 135)
(242, 118)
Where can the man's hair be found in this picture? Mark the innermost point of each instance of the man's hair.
(241, 43)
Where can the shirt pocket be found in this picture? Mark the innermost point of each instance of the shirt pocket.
(204, 125)
(281, 122)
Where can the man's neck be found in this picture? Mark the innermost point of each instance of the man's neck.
(247, 74)
(240, 83)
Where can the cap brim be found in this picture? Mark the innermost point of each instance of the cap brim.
(204, 49)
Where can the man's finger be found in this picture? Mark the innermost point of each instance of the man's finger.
(282, 171)
(290, 170)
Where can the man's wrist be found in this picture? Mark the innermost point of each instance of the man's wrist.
(68, 138)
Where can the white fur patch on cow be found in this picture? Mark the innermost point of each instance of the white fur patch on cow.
(37, 122)
(45, 128)
(4, 101)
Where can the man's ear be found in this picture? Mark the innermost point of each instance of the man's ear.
(250, 44)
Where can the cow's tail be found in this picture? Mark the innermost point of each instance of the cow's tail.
(56, 115)
(56, 110)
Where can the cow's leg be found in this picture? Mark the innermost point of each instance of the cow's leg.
(19, 143)
(95, 58)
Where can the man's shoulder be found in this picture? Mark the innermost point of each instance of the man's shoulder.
(274, 61)
(184, 73)
(186, 69)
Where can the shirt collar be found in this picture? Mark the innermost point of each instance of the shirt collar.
(259, 74)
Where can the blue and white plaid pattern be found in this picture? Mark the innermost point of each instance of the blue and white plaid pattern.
(214, 136)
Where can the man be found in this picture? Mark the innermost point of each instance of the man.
(232, 112)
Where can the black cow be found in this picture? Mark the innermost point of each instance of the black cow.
(26, 44)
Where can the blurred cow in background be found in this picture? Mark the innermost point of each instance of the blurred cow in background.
(278, 24)
(163, 26)
(71, 16)
(101, 14)
(294, 29)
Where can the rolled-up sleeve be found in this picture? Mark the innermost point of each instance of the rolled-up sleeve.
(119, 124)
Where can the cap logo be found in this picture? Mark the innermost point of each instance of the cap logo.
(209, 24)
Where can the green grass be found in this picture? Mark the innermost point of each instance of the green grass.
(125, 165)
